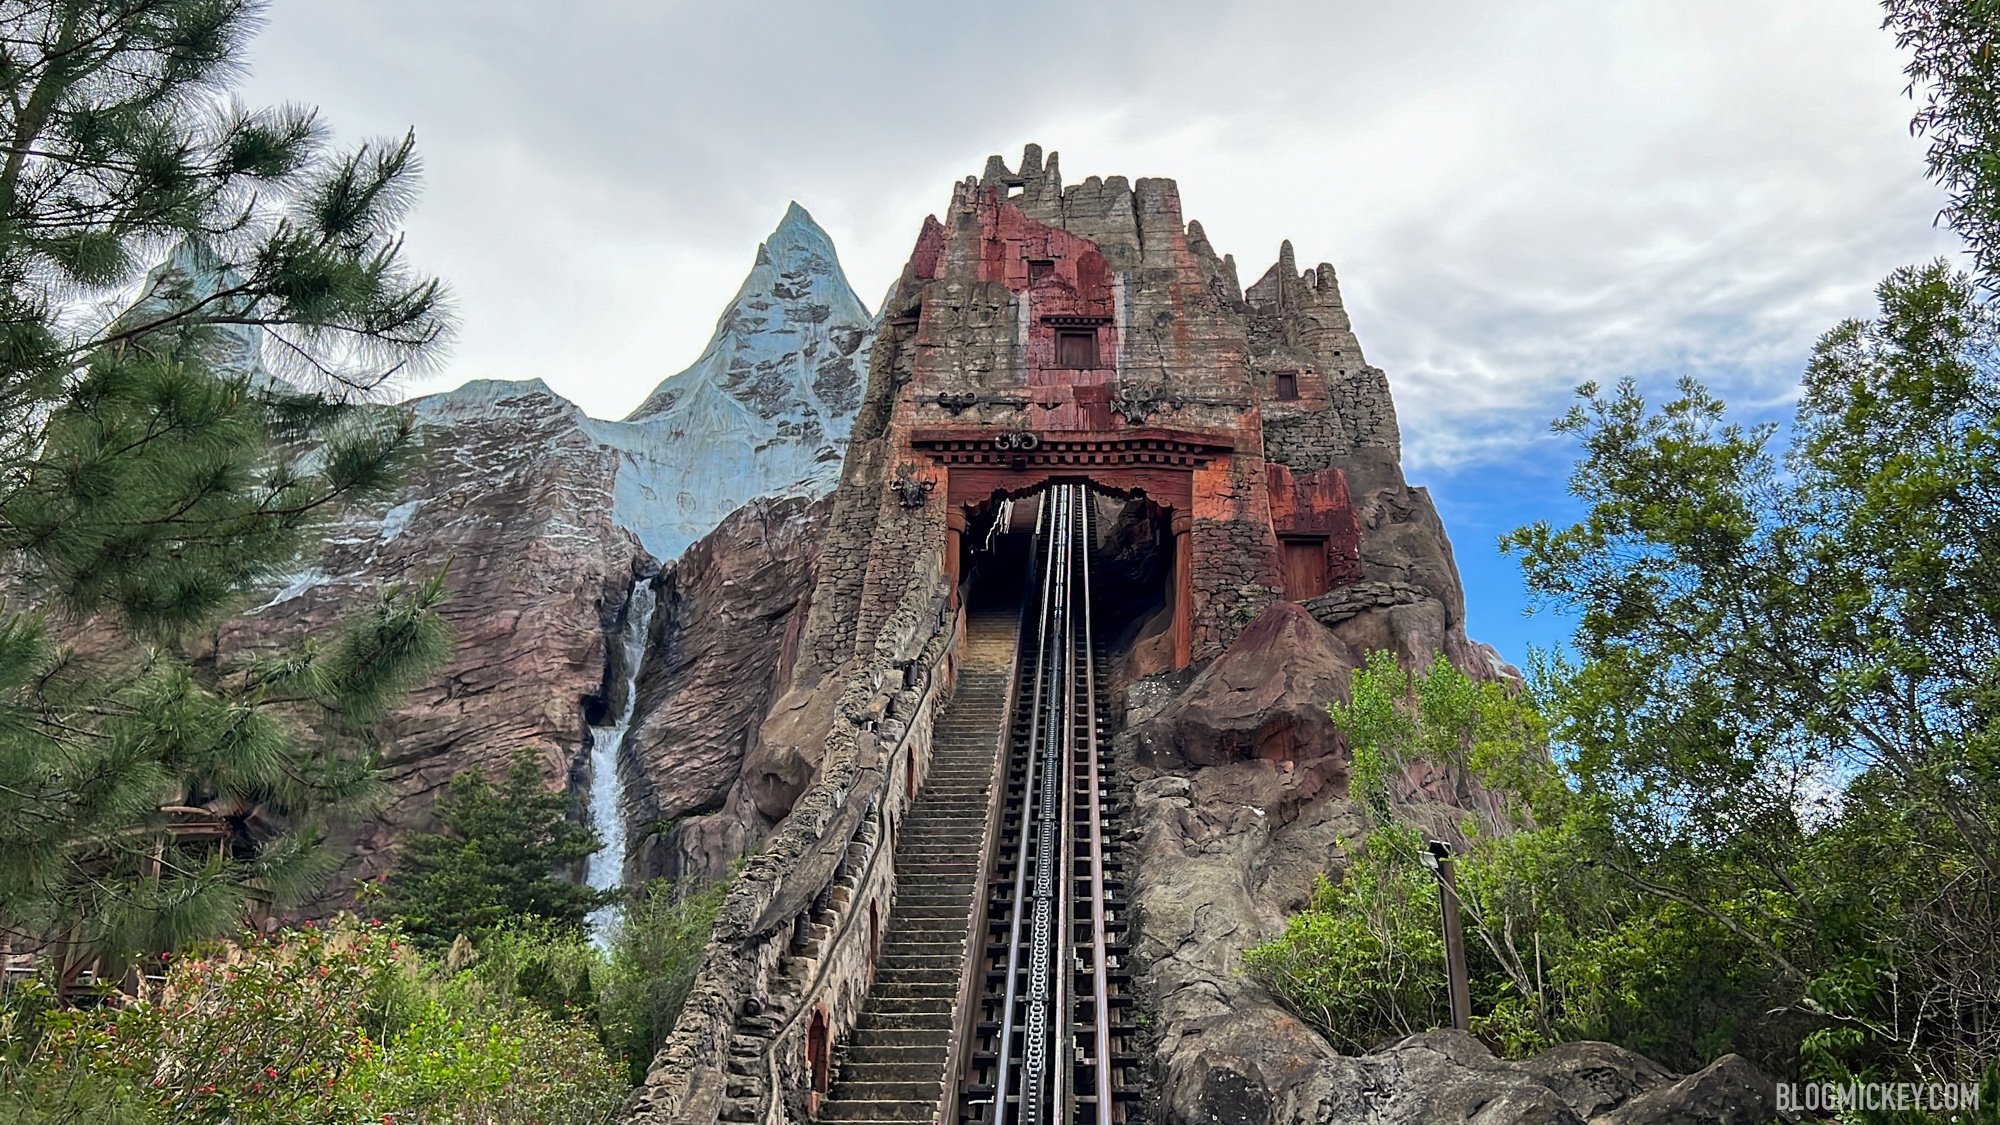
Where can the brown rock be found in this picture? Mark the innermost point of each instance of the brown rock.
(725, 638)
(1729, 1091)
(515, 507)
(1265, 698)
(1595, 1078)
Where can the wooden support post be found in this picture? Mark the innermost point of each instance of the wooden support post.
(1182, 525)
(1456, 980)
(954, 524)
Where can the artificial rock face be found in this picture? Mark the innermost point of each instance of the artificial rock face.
(544, 519)
(1042, 334)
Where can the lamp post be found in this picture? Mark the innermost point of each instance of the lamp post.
(1437, 857)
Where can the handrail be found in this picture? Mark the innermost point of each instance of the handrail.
(878, 818)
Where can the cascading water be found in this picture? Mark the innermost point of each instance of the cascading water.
(606, 869)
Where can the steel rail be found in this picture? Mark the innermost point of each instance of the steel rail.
(1093, 787)
(1045, 942)
(1062, 762)
(1044, 525)
(1058, 887)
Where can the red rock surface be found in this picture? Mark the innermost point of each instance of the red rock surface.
(514, 507)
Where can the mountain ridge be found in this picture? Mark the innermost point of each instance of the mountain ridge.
(764, 412)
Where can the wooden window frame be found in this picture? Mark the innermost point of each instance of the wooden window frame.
(1324, 568)
(1068, 338)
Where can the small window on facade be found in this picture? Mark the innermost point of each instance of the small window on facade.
(1288, 384)
(1305, 569)
(1076, 348)
(1039, 268)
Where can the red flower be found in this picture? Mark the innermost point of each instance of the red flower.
(270, 1072)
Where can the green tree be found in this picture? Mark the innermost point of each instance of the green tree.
(657, 945)
(154, 472)
(1788, 670)
(1773, 821)
(1560, 943)
(1954, 48)
(497, 862)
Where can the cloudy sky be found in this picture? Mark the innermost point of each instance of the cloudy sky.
(1518, 196)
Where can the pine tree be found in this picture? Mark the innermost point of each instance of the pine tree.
(168, 443)
(497, 861)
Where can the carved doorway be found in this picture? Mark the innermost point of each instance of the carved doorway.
(819, 1053)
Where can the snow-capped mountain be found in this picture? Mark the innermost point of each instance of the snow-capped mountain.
(541, 519)
(193, 274)
(764, 412)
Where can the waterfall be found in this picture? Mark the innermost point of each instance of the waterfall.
(606, 868)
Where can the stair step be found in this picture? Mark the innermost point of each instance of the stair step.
(905, 1037)
(886, 1086)
(859, 1110)
(890, 1068)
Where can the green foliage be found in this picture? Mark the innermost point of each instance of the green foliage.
(342, 1023)
(1788, 664)
(657, 944)
(1559, 945)
(1772, 824)
(152, 478)
(496, 862)
(1365, 961)
(1954, 49)
(1481, 731)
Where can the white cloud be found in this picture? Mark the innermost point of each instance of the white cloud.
(1518, 196)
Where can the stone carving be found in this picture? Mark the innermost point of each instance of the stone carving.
(911, 490)
(1136, 404)
(957, 402)
(1019, 441)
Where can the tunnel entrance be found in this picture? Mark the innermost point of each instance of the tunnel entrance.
(976, 468)
(1133, 541)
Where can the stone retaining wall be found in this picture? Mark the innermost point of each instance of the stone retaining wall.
(785, 941)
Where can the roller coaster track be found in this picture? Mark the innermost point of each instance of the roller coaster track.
(1039, 1034)
(1050, 1044)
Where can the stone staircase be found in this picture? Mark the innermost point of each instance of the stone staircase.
(892, 1067)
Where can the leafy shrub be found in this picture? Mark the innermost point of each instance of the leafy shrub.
(338, 1023)
(1365, 961)
(656, 947)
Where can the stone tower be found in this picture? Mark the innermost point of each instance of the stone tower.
(1043, 334)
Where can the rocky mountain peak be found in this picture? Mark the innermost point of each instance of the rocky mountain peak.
(789, 345)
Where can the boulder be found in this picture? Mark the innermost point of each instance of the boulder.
(1264, 698)
(1729, 1091)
